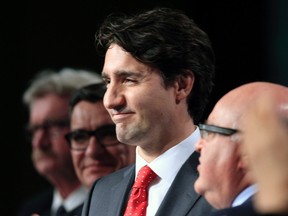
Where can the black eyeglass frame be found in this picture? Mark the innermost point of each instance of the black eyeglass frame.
(217, 129)
(31, 129)
(95, 133)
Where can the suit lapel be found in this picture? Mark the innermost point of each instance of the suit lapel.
(181, 196)
(122, 191)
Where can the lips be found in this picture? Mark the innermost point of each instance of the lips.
(98, 169)
(98, 165)
(120, 117)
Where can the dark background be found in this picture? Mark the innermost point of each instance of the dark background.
(249, 38)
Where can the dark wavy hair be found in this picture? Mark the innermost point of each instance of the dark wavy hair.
(91, 93)
(169, 40)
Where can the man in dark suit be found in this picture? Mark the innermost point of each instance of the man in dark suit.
(47, 99)
(40, 204)
(159, 70)
(225, 178)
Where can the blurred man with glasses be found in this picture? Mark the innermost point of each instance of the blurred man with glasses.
(95, 149)
(47, 99)
(225, 179)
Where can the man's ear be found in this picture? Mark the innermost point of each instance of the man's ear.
(244, 168)
(184, 84)
(243, 163)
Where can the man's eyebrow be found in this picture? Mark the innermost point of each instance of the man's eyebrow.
(122, 73)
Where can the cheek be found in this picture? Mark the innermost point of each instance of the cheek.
(210, 158)
(77, 159)
(218, 163)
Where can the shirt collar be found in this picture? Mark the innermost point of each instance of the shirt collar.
(244, 195)
(164, 165)
(75, 199)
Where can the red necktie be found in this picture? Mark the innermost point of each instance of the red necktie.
(138, 200)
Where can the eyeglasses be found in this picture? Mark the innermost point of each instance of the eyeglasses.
(206, 130)
(50, 127)
(105, 135)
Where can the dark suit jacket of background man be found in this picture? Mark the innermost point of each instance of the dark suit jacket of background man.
(109, 195)
(41, 204)
(245, 209)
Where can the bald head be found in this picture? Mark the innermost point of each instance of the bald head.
(223, 170)
(234, 104)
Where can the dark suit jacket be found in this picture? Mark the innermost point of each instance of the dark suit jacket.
(41, 204)
(109, 195)
(246, 209)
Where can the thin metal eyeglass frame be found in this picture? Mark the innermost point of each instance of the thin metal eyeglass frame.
(217, 129)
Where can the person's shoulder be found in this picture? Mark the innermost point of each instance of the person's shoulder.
(246, 209)
(46, 194)
(117, 175)
(39, 202)
(122, 175)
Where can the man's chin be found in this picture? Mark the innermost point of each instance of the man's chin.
(44, 166)
(95, 173)
(197, 187)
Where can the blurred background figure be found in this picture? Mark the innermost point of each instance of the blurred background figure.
(47, 99)
(265, 142)
(225, 178)
(94, 146)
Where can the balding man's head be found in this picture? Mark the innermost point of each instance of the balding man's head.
(233, 104)
(223, 168)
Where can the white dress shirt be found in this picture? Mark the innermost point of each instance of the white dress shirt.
(244, 195)
(166, 166)
(71, 202)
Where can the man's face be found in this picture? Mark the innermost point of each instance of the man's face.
(49, 123)
(97, 160)
(139, 104)
(218, 171)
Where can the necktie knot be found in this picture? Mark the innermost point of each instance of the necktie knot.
(145, 176)
(138, 200)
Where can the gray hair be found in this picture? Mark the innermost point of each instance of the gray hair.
(63, 82)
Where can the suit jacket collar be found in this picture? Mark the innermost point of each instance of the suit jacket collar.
(180, 203)
(174, 202)
(123, 189)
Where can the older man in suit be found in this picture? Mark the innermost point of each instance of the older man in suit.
(225, 179)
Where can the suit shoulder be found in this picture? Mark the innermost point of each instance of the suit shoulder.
(39, 202)
(116, 176)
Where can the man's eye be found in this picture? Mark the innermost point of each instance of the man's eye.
(80, 137)
(132, 81)
(106, 81)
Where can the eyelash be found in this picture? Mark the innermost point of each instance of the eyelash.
(106, 81)
(129, 80)
(124, 80)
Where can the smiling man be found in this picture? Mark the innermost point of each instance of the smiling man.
(159, 70)
(95, 149)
